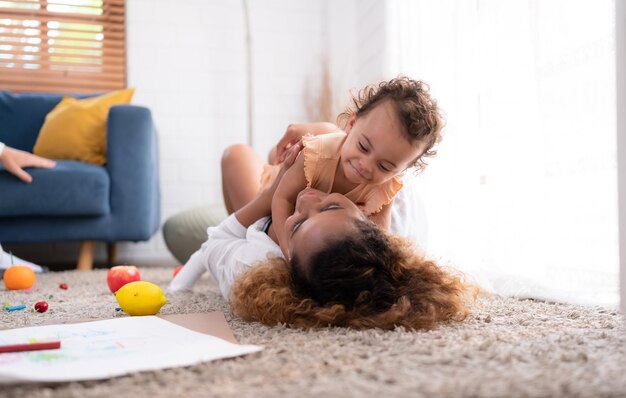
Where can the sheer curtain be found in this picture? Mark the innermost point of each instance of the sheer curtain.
(523, 192)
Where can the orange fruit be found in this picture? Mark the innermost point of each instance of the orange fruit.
(19, 277)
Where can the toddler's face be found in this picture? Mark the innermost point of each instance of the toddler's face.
(376, 148)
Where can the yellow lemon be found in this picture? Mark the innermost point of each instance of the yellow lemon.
(140, 298)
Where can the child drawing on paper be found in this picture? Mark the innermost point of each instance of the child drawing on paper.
(393, 126)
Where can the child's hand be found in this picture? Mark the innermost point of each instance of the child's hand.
(290, 156)
(292, 136)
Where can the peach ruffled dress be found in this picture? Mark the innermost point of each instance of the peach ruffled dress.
(321, 159)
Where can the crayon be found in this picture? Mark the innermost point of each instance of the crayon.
(15, 307)
(48, 345)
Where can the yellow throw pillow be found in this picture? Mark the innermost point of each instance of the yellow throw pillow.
(76, 128)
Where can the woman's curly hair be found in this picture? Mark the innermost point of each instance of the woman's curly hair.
(366, 280)
(416, 109)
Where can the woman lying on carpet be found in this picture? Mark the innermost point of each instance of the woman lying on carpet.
(344, 271)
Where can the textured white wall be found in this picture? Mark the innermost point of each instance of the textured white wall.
(372, 41)
(361, 48)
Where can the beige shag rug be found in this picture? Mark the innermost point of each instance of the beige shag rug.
(506, 348)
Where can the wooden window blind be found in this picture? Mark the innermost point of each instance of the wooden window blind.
(70, 46)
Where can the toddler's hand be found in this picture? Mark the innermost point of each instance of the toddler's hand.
(290, 157)
(292, 136)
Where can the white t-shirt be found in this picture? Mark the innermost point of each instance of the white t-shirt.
(230, 250)
(408, 215)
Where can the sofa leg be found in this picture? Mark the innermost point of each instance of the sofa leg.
(85, 257)
(111, 254)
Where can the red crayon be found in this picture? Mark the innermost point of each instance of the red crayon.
(48, 345)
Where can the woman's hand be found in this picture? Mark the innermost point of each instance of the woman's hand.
(15, 160)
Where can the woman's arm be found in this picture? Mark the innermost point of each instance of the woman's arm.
(261, 205)
(284, 200)
(226, 250)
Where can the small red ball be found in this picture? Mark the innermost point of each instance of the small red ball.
(63, 286)
(41, 306)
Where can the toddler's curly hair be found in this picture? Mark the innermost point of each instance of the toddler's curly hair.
(366, 280)
(417, 111)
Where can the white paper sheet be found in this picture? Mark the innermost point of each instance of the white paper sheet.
(103, 349)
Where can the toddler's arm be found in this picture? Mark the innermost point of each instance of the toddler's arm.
(284, 200)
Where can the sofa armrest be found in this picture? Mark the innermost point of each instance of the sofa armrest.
(132, 163)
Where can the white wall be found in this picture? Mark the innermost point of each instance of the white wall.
(191, 74)
(358, 46)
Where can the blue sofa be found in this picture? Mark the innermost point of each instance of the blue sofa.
(78, 201)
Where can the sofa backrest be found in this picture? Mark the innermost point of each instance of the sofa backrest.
(23, 114)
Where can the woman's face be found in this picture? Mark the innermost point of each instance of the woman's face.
(318, 217)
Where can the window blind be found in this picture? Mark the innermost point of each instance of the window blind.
(73, 46)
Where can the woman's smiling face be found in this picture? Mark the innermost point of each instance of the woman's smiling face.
(317, 219)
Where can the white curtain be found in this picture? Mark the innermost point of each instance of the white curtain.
(523, 193)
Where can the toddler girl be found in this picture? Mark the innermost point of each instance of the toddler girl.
(392, 127)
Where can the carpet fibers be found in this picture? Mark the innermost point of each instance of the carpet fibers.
(506, 348)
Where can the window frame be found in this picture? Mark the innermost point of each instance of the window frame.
(62, 45)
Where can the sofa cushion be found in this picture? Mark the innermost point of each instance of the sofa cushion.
(76, 129)
(22, 115)
(70, 189)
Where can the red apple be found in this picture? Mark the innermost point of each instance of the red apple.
(120, 275)
(41, 306)
(176, 271)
